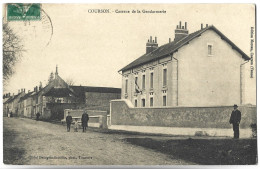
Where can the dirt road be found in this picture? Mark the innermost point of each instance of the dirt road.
(33, 142)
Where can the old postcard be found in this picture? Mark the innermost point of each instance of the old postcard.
(129, 84)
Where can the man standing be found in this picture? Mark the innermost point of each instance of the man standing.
(84, 120)
(37, 116)
(68, 121)
(235, 120)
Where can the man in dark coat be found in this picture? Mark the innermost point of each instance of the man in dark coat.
(68, 121)
(235, 119)
(84, 120)
(37, 116)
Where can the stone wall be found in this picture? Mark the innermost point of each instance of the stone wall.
(199, 117)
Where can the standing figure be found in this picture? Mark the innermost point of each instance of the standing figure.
(235, 119)
(68, 121)
(76, 125)
(37, 116)
(84, 120)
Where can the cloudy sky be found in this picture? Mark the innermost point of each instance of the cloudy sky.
(90, 48)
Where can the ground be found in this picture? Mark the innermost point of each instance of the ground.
(31, 142)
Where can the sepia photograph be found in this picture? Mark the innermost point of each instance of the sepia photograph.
(98, 84)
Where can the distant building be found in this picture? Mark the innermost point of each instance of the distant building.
(57, 96)
(25, 103)
(51, 101)
(203, 68)
(12, 104)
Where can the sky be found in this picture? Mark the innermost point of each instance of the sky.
(90, 48)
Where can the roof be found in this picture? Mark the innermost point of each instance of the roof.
(59, 92)
(12, 98)
(173, 46)
(25, 96)
(97, 89)
(9, 99)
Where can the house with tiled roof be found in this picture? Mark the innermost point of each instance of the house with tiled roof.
(12, 104)
(57, 95)
(203, 68)
(25, 105)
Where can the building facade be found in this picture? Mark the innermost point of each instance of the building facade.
(203, 68)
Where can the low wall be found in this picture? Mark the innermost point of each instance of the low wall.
(97, 118)
(193, 117)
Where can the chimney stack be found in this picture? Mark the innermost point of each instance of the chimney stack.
(151, 44)
(202, 26)
(207, 25)
(169, 40)
(181, 32)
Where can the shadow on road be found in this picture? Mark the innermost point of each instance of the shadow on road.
(12, 154)
(204, 151)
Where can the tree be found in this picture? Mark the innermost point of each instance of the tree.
(70, 81)
(51, 77)
(12, 51)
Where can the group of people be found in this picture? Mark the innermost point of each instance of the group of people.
(84, 122)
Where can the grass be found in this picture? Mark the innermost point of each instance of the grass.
(204, 151)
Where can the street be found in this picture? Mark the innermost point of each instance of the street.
(31, 142)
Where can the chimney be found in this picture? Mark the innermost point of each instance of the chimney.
(151, 44)
(207, 25)
(202, 26)
(18, 91)
(170, 40)
(36, 89)
(181, 32)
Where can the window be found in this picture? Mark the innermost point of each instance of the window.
(143, 82)
(164, 77)
(126, 85)
(210, 50)
(151, 101)
(143, 102)
(136, 85)
(135, 103)
(164, 100)
(151, 80)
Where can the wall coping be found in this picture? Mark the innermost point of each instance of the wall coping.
(175, 107)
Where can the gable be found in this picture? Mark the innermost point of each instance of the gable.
(172, 47)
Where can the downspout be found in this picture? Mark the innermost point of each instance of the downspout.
(122, 83)
(177, 80)
(241, 82)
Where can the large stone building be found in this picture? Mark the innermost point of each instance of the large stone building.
(203, 68)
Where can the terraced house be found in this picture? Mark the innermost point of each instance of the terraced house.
(51, 101)
(203, 68)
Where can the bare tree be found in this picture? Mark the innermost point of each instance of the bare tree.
(51, 77)
(70, 81)
(12, 51)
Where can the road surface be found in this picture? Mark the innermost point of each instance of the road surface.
(31, 142)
